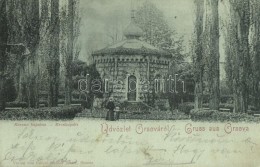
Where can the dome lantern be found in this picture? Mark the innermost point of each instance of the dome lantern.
(133, 31)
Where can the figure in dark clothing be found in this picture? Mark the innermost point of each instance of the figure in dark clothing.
(86, 104)
(110, 106)
(117, 116)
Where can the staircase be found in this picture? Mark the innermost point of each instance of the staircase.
(135, 107)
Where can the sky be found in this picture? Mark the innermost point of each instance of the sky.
(99, 17)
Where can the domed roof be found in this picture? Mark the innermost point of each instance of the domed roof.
(133, 31)
(132, 47)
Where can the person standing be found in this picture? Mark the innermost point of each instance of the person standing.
(117, 113)
(110, 106)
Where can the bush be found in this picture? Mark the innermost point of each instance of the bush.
(201, 114)
(226, 99)
(43, 102)
(143, 115)
(73, 101)
(213, 115)
(10, 90)
(56, 113)
(16, 104)
(186, 107)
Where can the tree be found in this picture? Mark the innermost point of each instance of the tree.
(3, 55)
(211, 50)
(31, 38)
(81, 71)
(44, 44)
(53, 63)
(255, 51)
(16, 35)
(198, 53)
(240, 12)
(23, 39)
(70, 48)
(157, 32)
(238, 52)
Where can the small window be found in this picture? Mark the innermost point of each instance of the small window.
(157, 85)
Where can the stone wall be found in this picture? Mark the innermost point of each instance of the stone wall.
(117, 68)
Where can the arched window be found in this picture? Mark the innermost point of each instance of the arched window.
(157, 85)
(163, 85)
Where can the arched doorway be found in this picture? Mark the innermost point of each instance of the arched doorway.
(131, 95)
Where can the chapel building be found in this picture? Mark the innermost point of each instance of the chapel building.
(131, 69)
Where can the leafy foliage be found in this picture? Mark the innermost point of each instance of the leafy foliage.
(216, 116)
(157, 31)
(237, 51)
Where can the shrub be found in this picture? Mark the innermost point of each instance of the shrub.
(56, 113)
(213, 115)
(17, 104)
(226, 98)
(44, 102)
(73, 101)
(227, 105)
(186, 107)
(143, 115)
(10, 90)
(201, 114)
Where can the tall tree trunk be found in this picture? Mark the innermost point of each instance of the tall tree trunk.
(211, 46)
(255, 52)
(15, 36)
(198, 53)
(32, 38)
(3, 56)
(54, 62)
(240, 14)
(69, 56)
(68, 88)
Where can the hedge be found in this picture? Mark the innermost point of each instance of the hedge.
(143, 115)
(186, 107)
(16, 104)
(213, 115)
(54, 113)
